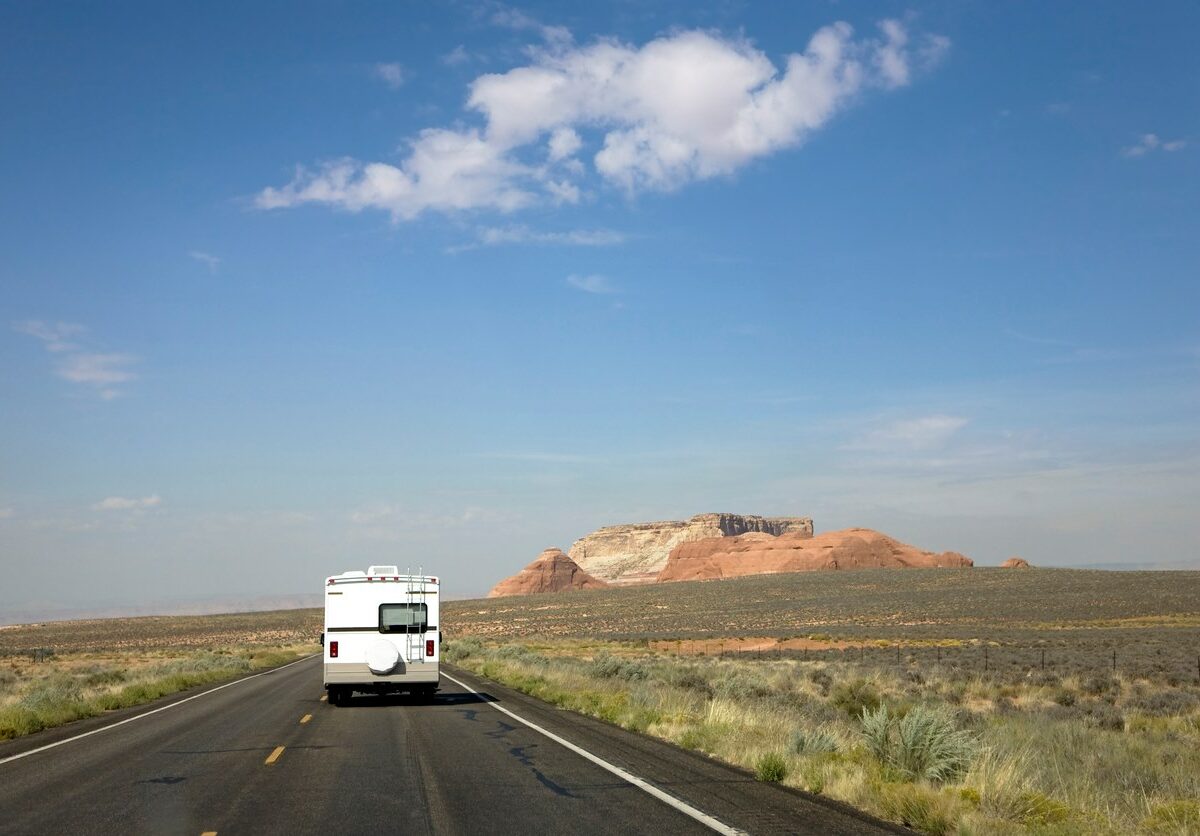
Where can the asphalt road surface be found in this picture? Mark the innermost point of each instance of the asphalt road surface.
(267, 755)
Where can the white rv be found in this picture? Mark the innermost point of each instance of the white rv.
(381, 633)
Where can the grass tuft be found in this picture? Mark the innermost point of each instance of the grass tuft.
(771, 767)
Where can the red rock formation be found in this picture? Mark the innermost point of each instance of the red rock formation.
(553, 571)
(755, 554)
(636, 553)
(1016, 563)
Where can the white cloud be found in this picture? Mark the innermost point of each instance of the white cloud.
(121, 503)
(564, 142)
(207, 259)
(591, 284)
(1151, 142)
(101, 371)
(687, 106)
(445, 171)
(392, 75)
(911, 434)
(7, 513)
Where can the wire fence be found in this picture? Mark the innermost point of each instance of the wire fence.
(1132, 660)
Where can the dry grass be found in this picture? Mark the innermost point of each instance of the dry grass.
(36, 696)
(85, 668)
(961, 753)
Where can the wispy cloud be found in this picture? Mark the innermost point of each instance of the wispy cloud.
(7, 513)
(690, 105)
(456, 56)
(383, 521)
(592, 284)
(391, 74)
(1036, 339)
(921, 433)
(207, 259)
(55, 336)
(122, 503)
(101, 371)
(492, 236)
(519, 21)
(543, 457)
(1148, 143)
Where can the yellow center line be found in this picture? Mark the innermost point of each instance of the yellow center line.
(305, 718)
(274, 756)
(324, 697)
(209, 833)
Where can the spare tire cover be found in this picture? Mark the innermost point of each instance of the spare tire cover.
(382, 657)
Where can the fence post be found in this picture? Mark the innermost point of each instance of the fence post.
(1043, 658)
(985, 659)
(897, 654)
(1114, 661)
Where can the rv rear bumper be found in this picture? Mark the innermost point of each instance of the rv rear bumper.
(357, 673)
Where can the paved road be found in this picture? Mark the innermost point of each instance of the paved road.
(267, 755)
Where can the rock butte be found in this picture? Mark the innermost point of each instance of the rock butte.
(627, 554)
(1016, 563)
(553, 571)
(758, 554)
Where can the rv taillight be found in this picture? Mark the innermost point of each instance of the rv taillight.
(429, 647)
(333, 650)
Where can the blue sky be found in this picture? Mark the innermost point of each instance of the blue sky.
(293, 288)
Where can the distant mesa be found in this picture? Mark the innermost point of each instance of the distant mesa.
(637, 553)
(1016, 563)
(712, 546)
(758, 554)
(553, 571)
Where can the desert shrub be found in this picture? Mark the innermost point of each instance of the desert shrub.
(691, 679)
(1064, 697)
(821, 678)
(1165, 703)
(1097, 685)
(1045, 679)
(1174, 817)
(741, 684)
(813, 741)
(52, 693)
(771, 767)
(99, 676)
(855, 697)
(207, 663)
(520, 653)
(923, 744)
(456, 650)
(614, 667)
(7, 680)
(1103, 715)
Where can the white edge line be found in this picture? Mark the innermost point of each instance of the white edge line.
(153, 711)
(683, 807)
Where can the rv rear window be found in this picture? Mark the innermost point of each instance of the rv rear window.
(403, 618)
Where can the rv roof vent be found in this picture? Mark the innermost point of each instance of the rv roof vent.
(354, 573)
(383, 570)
